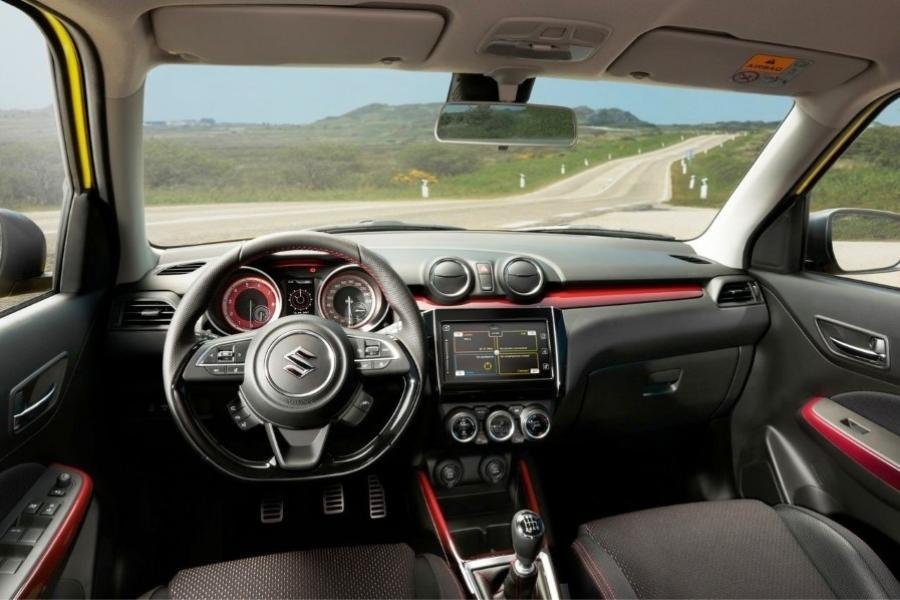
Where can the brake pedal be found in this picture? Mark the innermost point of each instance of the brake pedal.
(271, 511)
(377, 499)
(333, 499)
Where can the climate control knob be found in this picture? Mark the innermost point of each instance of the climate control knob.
(500, 426)
(535, 423)
(462, 425)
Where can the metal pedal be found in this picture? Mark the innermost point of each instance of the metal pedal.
(377, 499)
(271, 511)
(333, 499)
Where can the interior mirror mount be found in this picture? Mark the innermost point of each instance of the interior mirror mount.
(853, 240)
(506, 124)
(23, 255)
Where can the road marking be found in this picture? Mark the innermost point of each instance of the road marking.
(518, 224)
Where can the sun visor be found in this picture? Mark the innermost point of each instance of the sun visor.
(718, 61)
(280, 35)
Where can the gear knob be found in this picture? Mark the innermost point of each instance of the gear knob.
(527, 536)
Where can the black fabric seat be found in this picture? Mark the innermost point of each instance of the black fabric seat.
(729, 549)
(382, 571)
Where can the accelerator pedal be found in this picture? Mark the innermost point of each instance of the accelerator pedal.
(377, 499)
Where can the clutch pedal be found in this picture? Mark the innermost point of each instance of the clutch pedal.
(377, 499)
(333, 499)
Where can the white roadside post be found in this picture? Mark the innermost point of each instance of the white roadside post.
(425, 191)
(562, 169)
(704, 189)
(683, 167)
(682, 138)
(691, 182)
(609, 156)
(521, 180)
(639, 150)
(586, 162)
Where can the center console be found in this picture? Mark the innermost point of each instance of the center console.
(498, 376)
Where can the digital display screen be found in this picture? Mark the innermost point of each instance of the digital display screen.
(496, 351)
(299, 296)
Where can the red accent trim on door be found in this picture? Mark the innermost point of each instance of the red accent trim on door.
(528, 487)
(51, 560)
(583, 297)
(862, 455)
(437, 517)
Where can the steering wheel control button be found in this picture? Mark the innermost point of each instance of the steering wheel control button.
(358, 409)
(500, 426)
(535, 423)
(462, 425)
(449, 473)
(493, 469)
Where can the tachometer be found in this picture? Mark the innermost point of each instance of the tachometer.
(250, 301)
(350, 298)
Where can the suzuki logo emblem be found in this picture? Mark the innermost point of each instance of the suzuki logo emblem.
(299, 364)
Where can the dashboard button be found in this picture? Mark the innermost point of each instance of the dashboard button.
(57, 492)
(12, 535)
(32, 508)
(31, 535)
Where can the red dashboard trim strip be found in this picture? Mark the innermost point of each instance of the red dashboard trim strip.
(49, 562)
(584, 297)
(528, 487)
(437, 517)
(872, 462)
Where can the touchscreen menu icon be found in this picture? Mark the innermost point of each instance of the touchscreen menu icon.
(498, 350)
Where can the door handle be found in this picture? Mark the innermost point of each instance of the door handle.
(860, 352)
(34, 409)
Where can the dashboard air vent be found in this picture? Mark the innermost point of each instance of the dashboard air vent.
(736, 293)
(181, 268)
(522, 278)
(449, 279)
(145, 313)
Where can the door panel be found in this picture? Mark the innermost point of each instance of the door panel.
(43, 345)
(820, 462)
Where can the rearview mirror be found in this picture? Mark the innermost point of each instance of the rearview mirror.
(23, 252)
(505, 124)
(854, 240)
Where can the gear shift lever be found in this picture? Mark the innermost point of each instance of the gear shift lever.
(527, 537)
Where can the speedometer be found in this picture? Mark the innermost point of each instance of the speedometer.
(350, 298)
(250, 301)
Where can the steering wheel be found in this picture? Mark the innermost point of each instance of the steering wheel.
(302, 374)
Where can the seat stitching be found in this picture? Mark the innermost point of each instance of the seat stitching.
(593, 569)
(612, 555)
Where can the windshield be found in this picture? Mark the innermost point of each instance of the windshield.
(235, 152)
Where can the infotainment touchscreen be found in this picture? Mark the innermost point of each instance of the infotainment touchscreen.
(496, 351)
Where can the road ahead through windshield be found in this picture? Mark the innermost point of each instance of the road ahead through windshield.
(610, 194)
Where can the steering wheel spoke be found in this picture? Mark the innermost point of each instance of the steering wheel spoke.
(377, 354)
(297, 449)
(219, 360)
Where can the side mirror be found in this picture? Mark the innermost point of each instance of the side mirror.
(23, 253)
(506, 124)
(853, 240)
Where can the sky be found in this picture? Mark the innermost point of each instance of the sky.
(302, 95)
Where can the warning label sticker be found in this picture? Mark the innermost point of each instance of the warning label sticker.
(766, 63)
(769, 70)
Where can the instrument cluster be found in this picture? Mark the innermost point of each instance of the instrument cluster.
(252, 296)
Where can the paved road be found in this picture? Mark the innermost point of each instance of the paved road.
(627, 183)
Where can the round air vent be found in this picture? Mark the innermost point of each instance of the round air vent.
(449, 279)
(522, 278)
